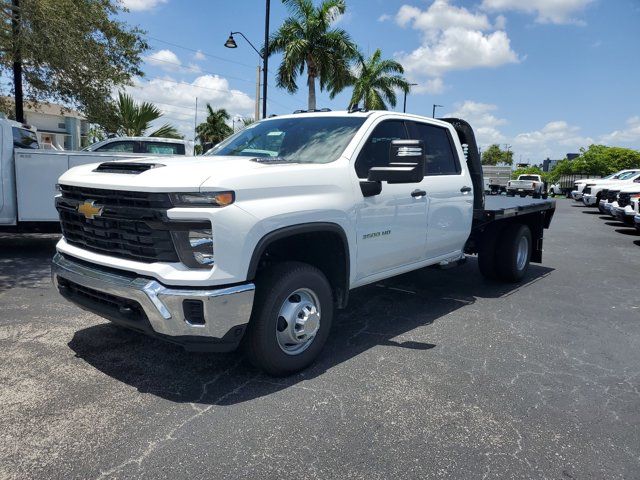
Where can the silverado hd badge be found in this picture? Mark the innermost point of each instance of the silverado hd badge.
(89, 209)
(376, 234)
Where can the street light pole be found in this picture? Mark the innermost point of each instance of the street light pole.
(404, 103)
(433, 114)
(265, 59)
(231, 43)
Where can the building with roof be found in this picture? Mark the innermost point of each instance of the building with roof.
(58, 127)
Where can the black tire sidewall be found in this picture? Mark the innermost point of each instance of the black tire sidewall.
(507, 249)
(272, 289)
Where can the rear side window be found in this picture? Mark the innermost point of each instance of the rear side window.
(117, 147)
(441, 158)
(164, 148)
(23, 138)
(375, 152)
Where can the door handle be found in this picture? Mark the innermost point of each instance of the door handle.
(418, 193)
(465, 189)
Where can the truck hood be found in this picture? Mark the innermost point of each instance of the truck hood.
(168, 174)
(214, 173)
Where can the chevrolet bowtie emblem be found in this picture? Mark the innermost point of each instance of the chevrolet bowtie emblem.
(89, 209)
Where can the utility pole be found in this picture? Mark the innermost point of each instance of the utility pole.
(265, 60)
(257, 112)
(433, 114)
(195, 124)
(17, 61)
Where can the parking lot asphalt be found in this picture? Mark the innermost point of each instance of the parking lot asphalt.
(433, 374)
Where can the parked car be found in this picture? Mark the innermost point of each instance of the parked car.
(627, 203)
(636, 222)
(259, 240)
(580, 185)
(591, 194)
(146, 145)
(526, 184)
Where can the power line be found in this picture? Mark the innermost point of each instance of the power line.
(196, 69)
(201, 52)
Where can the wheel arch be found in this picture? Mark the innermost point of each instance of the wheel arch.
(322, 244)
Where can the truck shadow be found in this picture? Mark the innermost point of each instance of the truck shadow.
(25, 260)
(392, 313)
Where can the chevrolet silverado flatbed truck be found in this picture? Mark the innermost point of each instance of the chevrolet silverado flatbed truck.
(257, 242)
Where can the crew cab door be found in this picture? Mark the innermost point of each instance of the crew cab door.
(448, 186)
(391, 225)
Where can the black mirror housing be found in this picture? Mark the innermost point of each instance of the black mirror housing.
(406, 163)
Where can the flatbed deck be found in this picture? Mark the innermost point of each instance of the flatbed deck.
(500, 206)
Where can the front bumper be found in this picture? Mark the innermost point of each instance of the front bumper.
(589, 200)
(146, 305)
(576, 195)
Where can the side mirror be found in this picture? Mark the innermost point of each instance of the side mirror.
(406, 163)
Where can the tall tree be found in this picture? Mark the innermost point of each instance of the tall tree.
(134, 119)
(494, 155)
(375, 82)
(215, 128)
(308, 42)
(70, 51)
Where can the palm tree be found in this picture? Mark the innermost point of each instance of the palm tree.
(375, 81)
(133, 119)
(307, 41)
(215, 128)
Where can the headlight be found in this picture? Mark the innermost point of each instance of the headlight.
(202, 199)
(195, 247)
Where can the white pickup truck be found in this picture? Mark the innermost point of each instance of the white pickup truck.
(526, 184)
(28, 174)
(257, 241)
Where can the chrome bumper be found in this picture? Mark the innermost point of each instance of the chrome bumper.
(224, 308)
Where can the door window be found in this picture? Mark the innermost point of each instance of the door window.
(117, 147)
(375, 152)
(164, 148)
(440, 156)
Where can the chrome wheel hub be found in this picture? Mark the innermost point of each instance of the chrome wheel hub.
(522, 253)
(298, 321)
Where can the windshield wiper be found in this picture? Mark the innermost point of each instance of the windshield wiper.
(274, 160)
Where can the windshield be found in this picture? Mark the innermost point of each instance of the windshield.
(23, 138)
(528, 177)
(300, 140)
(626, 175)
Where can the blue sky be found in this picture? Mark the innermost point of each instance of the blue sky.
(544, 76)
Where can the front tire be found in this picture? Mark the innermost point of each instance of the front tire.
(291, 319)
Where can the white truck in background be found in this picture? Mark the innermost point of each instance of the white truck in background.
(495, 178)
(28, 176)
(526, 184)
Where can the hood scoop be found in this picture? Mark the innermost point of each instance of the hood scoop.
(129, 168)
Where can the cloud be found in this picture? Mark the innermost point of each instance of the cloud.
(453, 38)
(628, 135)
(484, 122)
(440, 16)
(177, 99)
(140, 5)
(546, 11)
(554, 140)
(199, 56)
(385, 17)
(165, 59)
